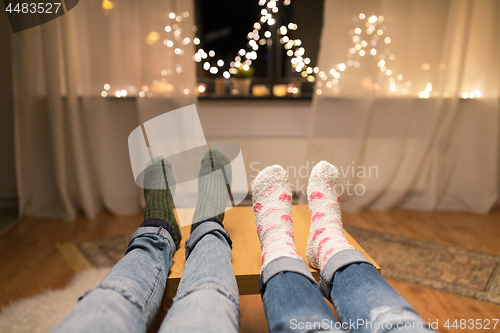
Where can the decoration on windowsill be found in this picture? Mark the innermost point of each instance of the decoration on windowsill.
(293, 89)
(201, 89)
(242, 81)
(220, 86)
(260, 90)
(279, 90)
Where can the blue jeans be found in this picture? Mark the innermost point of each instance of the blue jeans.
(129, 297)
(363, 300)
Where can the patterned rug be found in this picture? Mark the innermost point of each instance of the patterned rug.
(449, 269)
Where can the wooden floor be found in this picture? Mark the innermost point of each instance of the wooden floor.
(30, 262)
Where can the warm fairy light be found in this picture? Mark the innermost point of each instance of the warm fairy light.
(104, 93)
(372, 19)
(107, 5)
(152, 37)
(171, 15)
(107, 87)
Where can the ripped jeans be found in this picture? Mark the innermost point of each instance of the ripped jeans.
(363, 300)
(128, 298)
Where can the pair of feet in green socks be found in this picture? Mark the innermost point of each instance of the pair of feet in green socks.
(159, 188)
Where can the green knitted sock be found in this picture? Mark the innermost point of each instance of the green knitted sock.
(158, 196)
(212, 189)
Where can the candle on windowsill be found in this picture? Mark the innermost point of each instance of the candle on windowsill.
(279, 90)
(293, 90)
(201, 90)
(260, 90)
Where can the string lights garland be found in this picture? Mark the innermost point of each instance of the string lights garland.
(367, 40)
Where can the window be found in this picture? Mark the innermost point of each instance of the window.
(267, 35)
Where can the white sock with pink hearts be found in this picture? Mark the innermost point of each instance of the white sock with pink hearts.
(272, 205)
(326, 235)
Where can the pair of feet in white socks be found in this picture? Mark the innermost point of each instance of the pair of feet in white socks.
(272, 204)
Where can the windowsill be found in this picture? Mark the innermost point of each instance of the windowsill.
(253, 98)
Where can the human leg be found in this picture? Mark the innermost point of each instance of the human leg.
(207, 299)
(292, 300)
(361, 295)
(128, 298)
(364, 301)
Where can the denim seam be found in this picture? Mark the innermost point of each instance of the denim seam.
(120, 291)
(209, 286)
(158, 274)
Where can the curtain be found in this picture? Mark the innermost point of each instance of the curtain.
(82, 83)
(407, 103)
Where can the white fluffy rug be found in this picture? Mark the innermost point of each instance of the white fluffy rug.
(41, 313)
